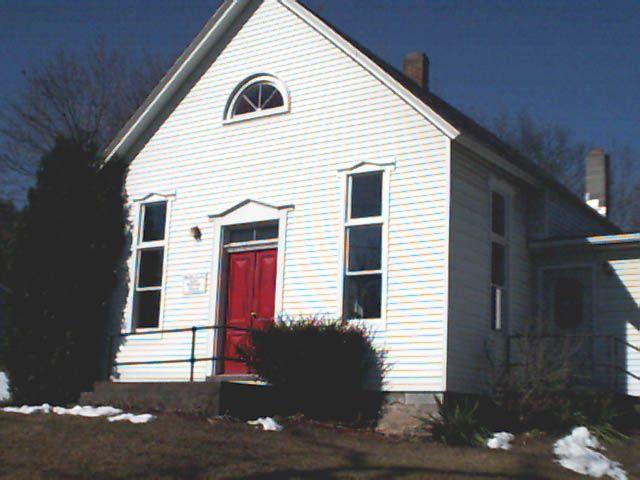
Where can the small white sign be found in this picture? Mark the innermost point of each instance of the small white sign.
(195, 284)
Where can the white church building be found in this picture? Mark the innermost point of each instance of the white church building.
(281, 170)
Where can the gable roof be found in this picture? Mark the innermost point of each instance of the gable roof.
(449, 120)
(213, 30)
(469, 128)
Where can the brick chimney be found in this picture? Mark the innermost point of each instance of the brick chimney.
(597, 184)
(416, 68)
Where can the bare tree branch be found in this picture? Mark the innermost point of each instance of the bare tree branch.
(85, 95)
(554, 148)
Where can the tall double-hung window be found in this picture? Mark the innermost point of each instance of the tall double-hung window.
(499, 259)
(150, 253)
(362, 294)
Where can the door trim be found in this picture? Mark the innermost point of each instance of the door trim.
(248, 211)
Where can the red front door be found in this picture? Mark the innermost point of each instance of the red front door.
(250, 300)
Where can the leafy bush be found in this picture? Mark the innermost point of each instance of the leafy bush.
(319, 368)
(69, 241)
(457, 423)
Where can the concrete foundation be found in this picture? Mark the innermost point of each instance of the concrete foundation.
(402, 413)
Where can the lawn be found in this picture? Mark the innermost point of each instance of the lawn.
(51, 446)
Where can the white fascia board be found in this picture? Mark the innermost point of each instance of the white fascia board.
(172, 84)
(497, 160)
(624, 239)
(373, 68)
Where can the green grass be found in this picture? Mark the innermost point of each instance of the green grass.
(50, 446)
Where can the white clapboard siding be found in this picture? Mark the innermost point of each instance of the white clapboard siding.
(618, 310)
(340, 116)
(470, 337)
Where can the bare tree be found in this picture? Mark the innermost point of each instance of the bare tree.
(625, 197)
(88, 94)
(554, 148)
(550, 146)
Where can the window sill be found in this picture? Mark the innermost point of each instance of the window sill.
(255, 115)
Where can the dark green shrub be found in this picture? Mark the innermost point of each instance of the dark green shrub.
(69, 241)
(458, 422)
(323, 369)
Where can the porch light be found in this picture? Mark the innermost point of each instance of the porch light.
(196, 233)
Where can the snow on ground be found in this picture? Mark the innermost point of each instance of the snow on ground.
(501, 440)
(113, 414)
(578, 452)
(267, 423)
(4, 387)
(144, 418)
(87, 411)
(27, 410)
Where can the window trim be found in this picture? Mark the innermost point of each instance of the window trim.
(244, 85)
(499, 187)
(138, 246)
(345, 211)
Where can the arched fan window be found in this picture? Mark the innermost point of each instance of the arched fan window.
(261, 95)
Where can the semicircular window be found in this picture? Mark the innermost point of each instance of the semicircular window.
(568, 302)
(258, 97)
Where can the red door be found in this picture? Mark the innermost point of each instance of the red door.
(250, 300)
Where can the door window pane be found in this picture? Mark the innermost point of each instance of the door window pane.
(498, 273)
(568, 302)
(264, 231)
(366, 195)
(241, 235)
(150, 273)
(498, 214)
(267, 232)
(155, 215)
(362, 296)
(365, 247)
(146, 309)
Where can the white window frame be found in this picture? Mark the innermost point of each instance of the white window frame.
(344, 177)
(139, 246)
(503, 292)
(229, 117)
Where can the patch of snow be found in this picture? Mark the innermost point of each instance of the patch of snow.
(144, 418)
(87, 411)
(578, 452)
(267, 423)
(112, 414)
(4, 387)
(501, 440)
(28, 410)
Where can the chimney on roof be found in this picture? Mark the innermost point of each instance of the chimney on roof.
(416, 68)
(597, 186)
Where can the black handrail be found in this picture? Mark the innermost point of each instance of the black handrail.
(192, 358)
(614, 339)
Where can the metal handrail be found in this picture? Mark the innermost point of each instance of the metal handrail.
(192, 358)
(614, 339)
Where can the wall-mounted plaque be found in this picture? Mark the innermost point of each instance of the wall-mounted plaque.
(195, 284)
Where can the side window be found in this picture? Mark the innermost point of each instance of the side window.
(363, 247)
(499, 260)
(149, 266)
(568, 302)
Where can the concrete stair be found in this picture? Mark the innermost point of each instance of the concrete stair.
(237, 397)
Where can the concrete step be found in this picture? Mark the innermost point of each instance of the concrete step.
(240, 398)
(197, 398)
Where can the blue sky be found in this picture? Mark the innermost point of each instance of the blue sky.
(575, 63)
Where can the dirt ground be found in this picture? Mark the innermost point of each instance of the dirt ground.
(50, 446)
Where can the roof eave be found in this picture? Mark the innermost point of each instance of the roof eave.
(170, 83)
